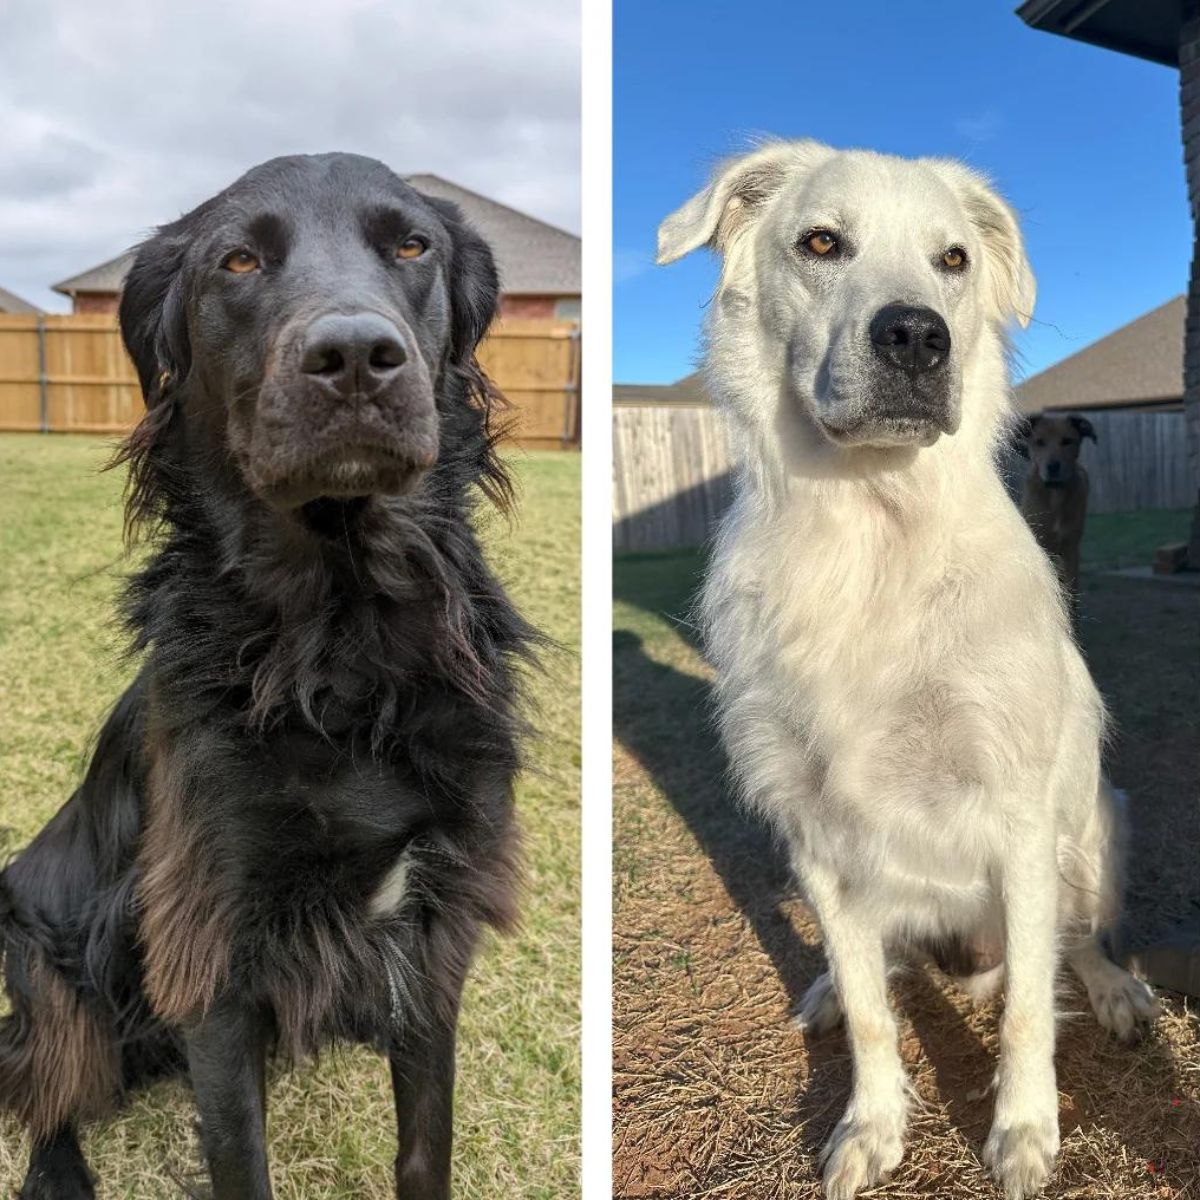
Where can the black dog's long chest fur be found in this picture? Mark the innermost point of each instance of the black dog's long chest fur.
(259, 782)
(299, 741)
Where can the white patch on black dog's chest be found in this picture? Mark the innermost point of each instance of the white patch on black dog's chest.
(389, 896)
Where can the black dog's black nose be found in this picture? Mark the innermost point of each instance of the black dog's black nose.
(913, 339)
(355, 352)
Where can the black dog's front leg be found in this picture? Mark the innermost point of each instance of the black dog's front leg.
(423, 1084)
(57, 1170)
(227, 1063)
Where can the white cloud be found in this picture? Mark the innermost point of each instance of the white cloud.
(981, 126)
(629, 264)
(122, 115)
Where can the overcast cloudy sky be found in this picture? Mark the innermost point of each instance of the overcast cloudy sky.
(118, 116)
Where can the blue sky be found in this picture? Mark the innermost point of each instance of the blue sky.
(1084, 142)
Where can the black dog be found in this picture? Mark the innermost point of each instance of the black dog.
(299, 816)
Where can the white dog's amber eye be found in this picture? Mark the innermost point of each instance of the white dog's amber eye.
(412, 247)
(820, 242)
(241, 262)
(954, 258)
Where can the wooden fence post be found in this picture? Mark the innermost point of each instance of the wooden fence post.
(43, 381)
(571, 397)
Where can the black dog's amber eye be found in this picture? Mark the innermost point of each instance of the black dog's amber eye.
(820, 242)
(241, 262)
(955, 258)
(412, 247)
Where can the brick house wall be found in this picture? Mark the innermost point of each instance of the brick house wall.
(1189, 100)
(540, 308)
(95, 302)
(527, 307)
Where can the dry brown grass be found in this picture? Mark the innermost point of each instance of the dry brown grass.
(716, 1092)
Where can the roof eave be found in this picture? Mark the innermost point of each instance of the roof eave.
(1043, 15)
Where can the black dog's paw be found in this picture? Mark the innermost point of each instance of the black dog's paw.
(70, 1181)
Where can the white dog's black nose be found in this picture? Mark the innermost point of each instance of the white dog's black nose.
(909, 338)
(353, 351)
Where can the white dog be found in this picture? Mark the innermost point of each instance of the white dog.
(898, 690)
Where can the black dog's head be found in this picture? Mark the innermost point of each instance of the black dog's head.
(303, 324)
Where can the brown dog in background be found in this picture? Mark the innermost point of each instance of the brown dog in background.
(1055, 492)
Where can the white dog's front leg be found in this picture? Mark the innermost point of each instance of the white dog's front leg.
(1023, 1142)
(869, 1139)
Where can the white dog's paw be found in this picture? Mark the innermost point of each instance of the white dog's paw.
(1021, 1156)
(861, 1153)
(820, 1010)
(1123, 1004)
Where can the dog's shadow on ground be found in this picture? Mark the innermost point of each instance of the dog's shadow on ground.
(662, 716)
(688, 767)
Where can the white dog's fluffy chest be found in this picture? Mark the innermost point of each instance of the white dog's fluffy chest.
(875, 698)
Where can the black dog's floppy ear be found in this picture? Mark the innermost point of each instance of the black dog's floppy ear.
(474, 284)
(1083, 427)
(474, 301)
(152, 315)
(154, 328)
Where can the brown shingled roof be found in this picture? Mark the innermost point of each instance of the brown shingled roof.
(9, 303)
(107, 277)
(1139, 365)
(534, 258)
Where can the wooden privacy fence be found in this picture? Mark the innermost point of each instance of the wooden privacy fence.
(70, 374)
(1139, 461)
(671, 470)
(670, 475)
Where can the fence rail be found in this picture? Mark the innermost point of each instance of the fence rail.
(71, 374)
(671, 470)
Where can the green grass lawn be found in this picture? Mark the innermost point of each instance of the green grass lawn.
(330, 1124)
(1112, 540)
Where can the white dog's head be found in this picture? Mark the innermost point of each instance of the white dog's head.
(866, 280)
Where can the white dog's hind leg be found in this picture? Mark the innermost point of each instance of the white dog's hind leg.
(869, 1139)
(1122, 1003)
(820, 1010)
(1023, 1141)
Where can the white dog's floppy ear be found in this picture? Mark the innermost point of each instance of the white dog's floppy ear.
(1011, 285)
(739, 186)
